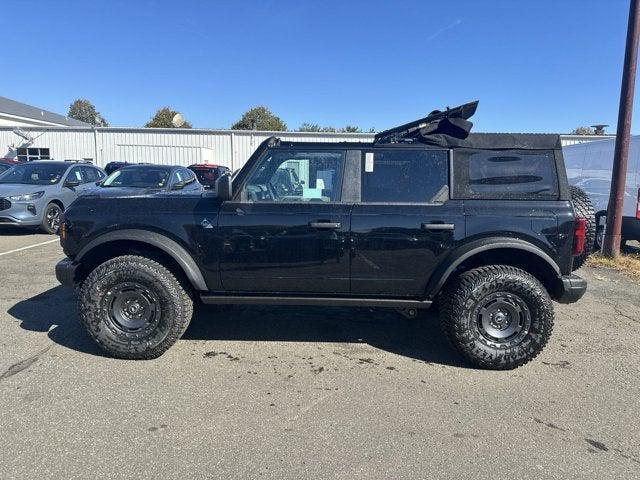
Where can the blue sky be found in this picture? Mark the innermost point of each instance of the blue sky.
(535, 66)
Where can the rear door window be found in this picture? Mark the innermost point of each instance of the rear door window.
(511, 174)
(405, 176)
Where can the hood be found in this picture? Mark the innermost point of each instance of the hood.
(10, 189)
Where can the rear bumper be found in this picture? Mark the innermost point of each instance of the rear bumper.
(572, 289)
(66, 272)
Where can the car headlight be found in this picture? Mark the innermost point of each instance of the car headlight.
(27, 197)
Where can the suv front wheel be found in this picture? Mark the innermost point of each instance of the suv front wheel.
(134, 307)
(51, 218)
(498, 317)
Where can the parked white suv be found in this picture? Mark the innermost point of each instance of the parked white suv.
(589, 166)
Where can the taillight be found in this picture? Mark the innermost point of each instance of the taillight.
(579, 235)
(638, 206)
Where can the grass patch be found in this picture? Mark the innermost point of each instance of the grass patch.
(628, 263)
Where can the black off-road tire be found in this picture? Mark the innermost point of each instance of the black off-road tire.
(468, 294)
(584, 208)
(599, 237)
(121, 282)
(51, 218)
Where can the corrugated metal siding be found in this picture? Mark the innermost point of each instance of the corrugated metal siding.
(171, 146)
(576, 139)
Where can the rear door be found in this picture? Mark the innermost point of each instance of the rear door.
(287, 228)
(405, 223)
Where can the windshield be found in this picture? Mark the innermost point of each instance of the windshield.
(4, 167)
(34, 174)
(147, 177)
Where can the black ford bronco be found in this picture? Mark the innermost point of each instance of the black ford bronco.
(482, 224)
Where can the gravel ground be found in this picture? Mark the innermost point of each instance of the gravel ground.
(311, 393)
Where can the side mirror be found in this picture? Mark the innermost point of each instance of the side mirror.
(224, 188)
(178, 186)
(72, 183)
(99, 182)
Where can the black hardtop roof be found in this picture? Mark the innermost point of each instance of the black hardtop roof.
(450, 128)
(480, 141)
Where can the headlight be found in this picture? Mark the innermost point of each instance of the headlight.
(27, 197)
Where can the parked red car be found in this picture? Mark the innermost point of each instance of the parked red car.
(7, 163)
(208, 173)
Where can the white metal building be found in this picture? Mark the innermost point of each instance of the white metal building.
(167, 146)
(14, 114)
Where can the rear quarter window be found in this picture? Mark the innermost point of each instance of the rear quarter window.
(505, 174)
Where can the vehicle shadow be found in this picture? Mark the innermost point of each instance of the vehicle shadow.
(7, 231)
(54, 312)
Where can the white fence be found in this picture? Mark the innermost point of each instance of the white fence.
(167, 146)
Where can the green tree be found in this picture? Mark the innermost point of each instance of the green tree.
(314, 127)
(83, 110)
(259, 118)
(163, 118)
(583, 131)
(351, 129)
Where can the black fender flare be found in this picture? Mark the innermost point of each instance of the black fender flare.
(164, 243)
(468, 250)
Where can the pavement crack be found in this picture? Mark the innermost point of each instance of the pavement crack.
(23, 364)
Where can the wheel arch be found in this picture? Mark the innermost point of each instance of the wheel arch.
(121, 242)
(57, 201)
(514, 252)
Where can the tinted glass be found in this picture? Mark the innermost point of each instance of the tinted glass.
(290, 176)
(75, 174)
(4, 167)
(188, 175)
(405, 176)
(34, 174)
(511, 174)
(90, 174)
(207, 176)
(135, 177)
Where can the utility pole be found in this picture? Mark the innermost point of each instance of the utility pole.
(611, 247)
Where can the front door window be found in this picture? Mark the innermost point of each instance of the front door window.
(293, 176)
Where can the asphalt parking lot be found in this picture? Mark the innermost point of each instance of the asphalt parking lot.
(310, 392)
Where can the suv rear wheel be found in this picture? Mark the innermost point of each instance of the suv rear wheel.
(499, 317)
(134, 307)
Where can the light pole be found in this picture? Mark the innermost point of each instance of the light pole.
(611, 246)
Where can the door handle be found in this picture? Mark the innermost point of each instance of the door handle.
(325, 225)
(437, 226)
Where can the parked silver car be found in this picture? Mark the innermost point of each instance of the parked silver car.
(35, 194)
(589, 166)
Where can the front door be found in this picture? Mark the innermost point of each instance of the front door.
(286, 229)
(405, 223)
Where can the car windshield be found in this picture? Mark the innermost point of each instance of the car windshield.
(146, 177)
(4, 167)
(34, 174)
